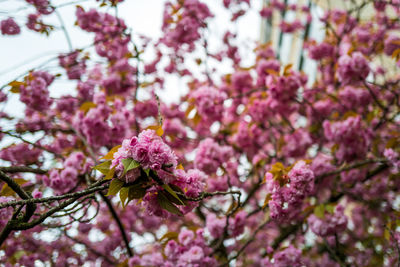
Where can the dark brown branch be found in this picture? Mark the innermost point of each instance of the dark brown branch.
(13, 185)
(375, 97)
(85, 192)
(107, 259)
(335, 255)
(350, 167)
(204, 195)
(248, 242)
(252, 191)
(16, 169)
(24, 224)
(31, 143)
(16, 225)
(285, 233)
(118, 221)
(29, 210)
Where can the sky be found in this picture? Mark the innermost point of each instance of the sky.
(19, 54)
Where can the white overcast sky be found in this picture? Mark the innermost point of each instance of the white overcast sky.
(21, 53)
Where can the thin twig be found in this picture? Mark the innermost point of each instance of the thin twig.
(118, 221)
(16, 169)
(82, 193)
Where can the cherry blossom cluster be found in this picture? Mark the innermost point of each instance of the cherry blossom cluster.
(9, 27)
(63, 180)
(183, 27)
(35, 92)
(74, 67)
(285, 200)
(159, 161)
(211, 156)
(110, 42)
(353, 68)
(351, 136)
(20, 154)
(209, 102)
(289, 256)
(189, 249)
(236, 226)
(149, 150)
(329, 224)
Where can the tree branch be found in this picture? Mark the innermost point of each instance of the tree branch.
(118, 221)
(204, 195)
(90, 249)
(16, 169)
(82, 193)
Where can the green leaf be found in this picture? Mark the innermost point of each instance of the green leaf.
(147, 171)
(110, 154)
(85, 107)
(279, 172)
(166, 204)
(330, 208)
(115, 186)
(176, 188)
(173, 199)
(319, 211)
(170, 235)
(386, 234)
(15, 86)
(136, 192)
(129, 164)
(268, 197)
(157, 128)
(6, 191)
(123, 195)
(110, 174)
(104, 167)
(174, 195)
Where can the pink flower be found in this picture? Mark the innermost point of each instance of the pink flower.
(351, 135)
(392, 43)
(5, 213)
(330, 224)
(242, 81)
(266, 12)
(20, 154)
(193, 255)
(162, 155)
(132, 175)
(69, 173)
(141, 153)
(285, 200)
(215, 225)
(75, 68)
(9, 27)
(290, 256)
(352, 68)
(185, 237)
(210, 155)
(147, 136)
(133, 141)
(238, 223)
(209, 102)
(320, 51)
(184, 27)
(37, 194)
(393, 158)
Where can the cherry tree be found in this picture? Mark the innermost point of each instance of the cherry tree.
(258, 164)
